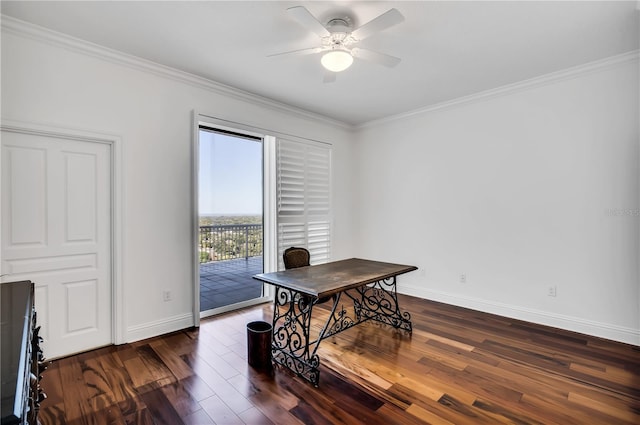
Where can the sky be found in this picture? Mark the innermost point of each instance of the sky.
(230, 175)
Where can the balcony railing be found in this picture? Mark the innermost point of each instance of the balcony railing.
(229, 241)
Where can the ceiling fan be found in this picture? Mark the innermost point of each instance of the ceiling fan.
(338, 40)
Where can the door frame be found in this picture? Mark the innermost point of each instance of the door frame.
(118, 310)
(269, 241)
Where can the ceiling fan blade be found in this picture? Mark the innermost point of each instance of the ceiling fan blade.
(298, 52)
(329, 77)
(304, 17)
(388, 19)
(375, 57)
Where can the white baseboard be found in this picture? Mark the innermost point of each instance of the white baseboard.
(159, 327)
(588, 327)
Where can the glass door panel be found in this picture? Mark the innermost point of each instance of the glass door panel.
(230, 213)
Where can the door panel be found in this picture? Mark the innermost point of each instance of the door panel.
(80, 183)
(25, 173)
(56, 227)
(230, 203)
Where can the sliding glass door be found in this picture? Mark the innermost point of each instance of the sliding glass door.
(230, 222)
(256, 195)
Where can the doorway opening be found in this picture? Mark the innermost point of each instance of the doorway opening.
(230, 219)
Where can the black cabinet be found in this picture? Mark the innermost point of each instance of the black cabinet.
(21, 357)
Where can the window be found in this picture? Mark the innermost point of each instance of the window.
(304, 198)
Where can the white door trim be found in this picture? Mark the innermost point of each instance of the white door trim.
(117, 291)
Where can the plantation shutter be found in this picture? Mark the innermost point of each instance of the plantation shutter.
(304, 199)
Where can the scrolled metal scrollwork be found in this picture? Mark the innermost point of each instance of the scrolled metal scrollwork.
(342, 321)
(379, 301)
(292, 345)
(291, 324)
(339, 320)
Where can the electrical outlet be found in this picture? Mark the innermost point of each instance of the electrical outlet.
(551, 291)
(166, 295)
(463, 278)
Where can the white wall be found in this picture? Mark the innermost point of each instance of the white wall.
(515, 191)
(512, 190)
(49, 79)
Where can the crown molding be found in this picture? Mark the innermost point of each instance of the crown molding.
(57, 39)
(508, 89)
(41, 34)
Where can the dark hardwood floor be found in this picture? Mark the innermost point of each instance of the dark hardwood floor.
(458, 367)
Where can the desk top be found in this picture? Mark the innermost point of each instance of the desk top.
(324, 280)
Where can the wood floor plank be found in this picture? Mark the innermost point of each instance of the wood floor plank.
(506, 413)
(107, 415)
(141, 416)
(620, 402)
(75, 392)
(54, 389)
(97, 383)
(160, 408)
(308, 415)
(181, 400)
(120, 384)
(322, 403)
(157, 368)
(204, 370)
(53, 414)
(351, 394)
(563, 412)
(134, 408)
(448, 409)
(172, 360)
(361, 368)
(615, 410)
(426, 416)
(198, 418)
(234, 399)
(476, 384)
(237, 362)
(138, 372)
(254, 416)
(198, 389)
(607, 373)
(457, 367)
(408, 389)
(217, 409)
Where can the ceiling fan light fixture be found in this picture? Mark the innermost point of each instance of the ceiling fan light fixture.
(336, 60)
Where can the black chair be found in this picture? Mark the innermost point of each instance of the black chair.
(295, 257)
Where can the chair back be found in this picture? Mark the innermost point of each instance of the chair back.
(295, 257)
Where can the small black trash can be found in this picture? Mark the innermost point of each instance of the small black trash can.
(259, 335)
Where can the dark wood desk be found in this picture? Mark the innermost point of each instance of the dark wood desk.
(369, 286)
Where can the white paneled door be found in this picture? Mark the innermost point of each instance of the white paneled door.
(56, 231)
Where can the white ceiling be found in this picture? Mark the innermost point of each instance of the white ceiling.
(448, 49)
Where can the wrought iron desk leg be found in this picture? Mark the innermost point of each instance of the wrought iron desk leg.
(291, 339)
(379, 302)
(292, 346)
